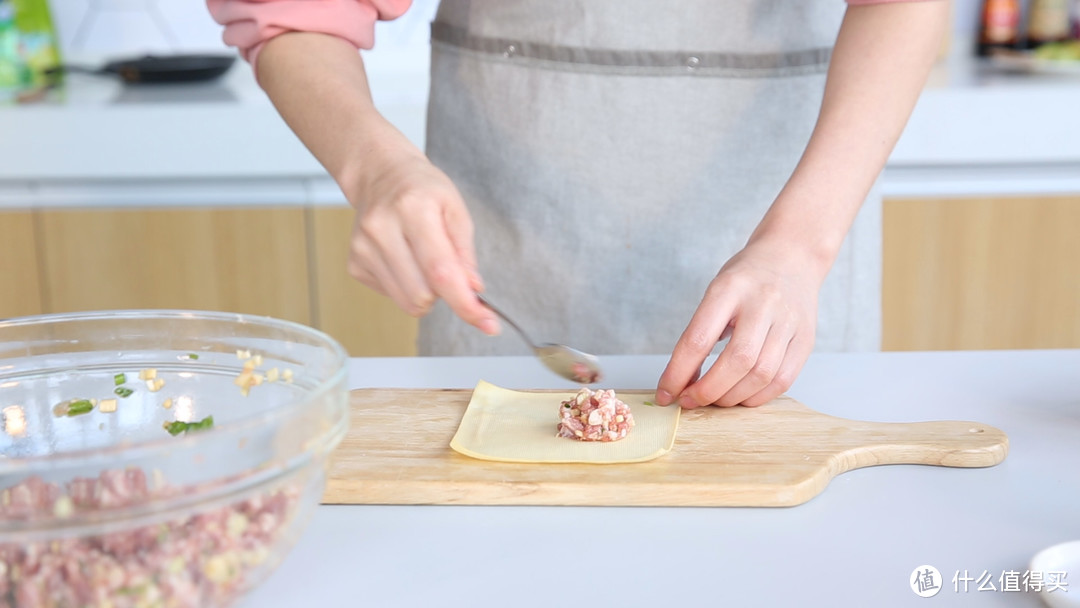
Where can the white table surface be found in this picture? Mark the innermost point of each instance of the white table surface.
(856, 544)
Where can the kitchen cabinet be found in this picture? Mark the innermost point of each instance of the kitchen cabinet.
(365, 322)
(21, 294)
(240, 260)
(981, 273)
(958, 274)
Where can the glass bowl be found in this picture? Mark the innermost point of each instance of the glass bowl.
(159, 458)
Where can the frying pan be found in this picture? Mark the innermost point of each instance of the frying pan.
(159, 69)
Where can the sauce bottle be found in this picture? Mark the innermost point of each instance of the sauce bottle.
(1048, 21)
(999, 27)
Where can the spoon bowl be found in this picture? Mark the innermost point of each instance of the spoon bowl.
(569, 363)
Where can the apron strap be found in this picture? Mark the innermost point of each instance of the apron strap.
(782, 63)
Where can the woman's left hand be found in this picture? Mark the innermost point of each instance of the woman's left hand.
(765, 298)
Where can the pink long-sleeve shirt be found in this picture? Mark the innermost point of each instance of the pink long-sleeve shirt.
(250, 24)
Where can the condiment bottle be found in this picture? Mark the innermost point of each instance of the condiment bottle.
(999, 27)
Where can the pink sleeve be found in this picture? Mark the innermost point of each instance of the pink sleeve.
(862, 2)
(249, 24)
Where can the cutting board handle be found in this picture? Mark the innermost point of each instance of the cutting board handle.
(948, 443)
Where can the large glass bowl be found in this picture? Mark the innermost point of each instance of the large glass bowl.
(132, 507)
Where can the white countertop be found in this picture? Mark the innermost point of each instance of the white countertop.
(974, 131)
(856, 544)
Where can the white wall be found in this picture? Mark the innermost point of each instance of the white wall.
(122, 27)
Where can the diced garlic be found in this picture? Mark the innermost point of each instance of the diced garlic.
(217, 569)
(258, 379)
(107, 405)
(63, 507)
(257, 359)
(249, 365)
(287, 375)
(167, 404)
(244, 379)
(243, 354)
(272, 374)
(157, 479)
(147, 374)
(236, 524)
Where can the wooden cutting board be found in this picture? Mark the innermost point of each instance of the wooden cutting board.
(779, 454)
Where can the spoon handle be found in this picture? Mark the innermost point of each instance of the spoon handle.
(507, 319)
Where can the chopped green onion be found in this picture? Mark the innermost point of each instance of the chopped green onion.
(82, 406)
(566, 405)
(649, 403)
(193, 356)
(119, 379)
(176, 427)
(123, 391)
(139, 590)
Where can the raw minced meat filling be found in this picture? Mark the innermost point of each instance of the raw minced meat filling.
(594, 416)
(198, 560)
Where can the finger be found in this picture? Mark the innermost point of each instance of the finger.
(799, 350)
(694, 345)
(366, 262)
(693, 379)
(445, 273)
(734, 363)
(460, 228)
(357, 268)
(365, 278)
(726, 333)
(400, 262)
(763, 372)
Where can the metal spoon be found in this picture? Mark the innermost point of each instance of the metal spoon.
(567, 362)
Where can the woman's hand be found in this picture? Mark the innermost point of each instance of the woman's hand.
(765, 298)
(412, 239)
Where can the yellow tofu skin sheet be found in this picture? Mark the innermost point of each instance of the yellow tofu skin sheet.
(519, 426)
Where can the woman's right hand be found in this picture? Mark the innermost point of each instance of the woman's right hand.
(412, 239)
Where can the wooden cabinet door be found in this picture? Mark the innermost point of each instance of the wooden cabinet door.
(964, 274)
(246, 260)
(366, 323)
(20, 294)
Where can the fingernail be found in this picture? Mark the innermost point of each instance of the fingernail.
(663, 397)
(489, 327)
(686, 402)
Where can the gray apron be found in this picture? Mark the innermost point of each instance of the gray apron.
(614, 154)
